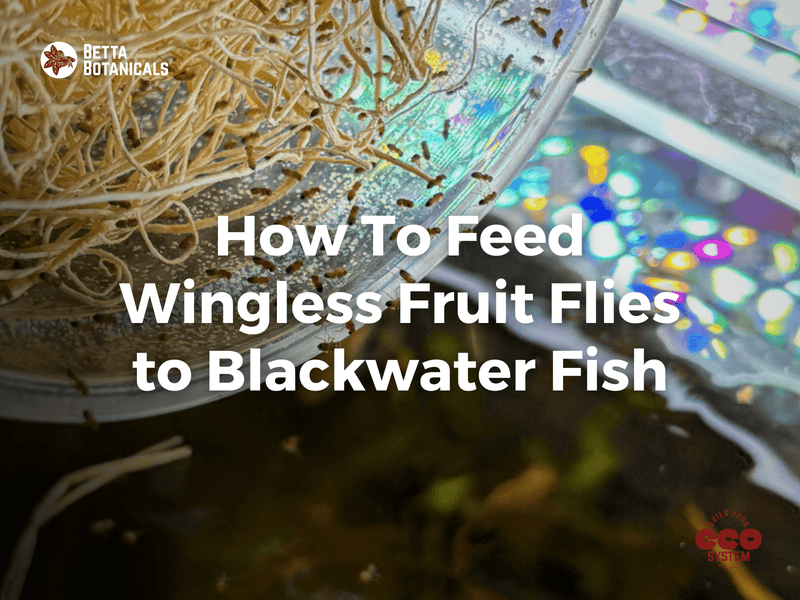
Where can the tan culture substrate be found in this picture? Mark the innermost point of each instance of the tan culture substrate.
(88, 161)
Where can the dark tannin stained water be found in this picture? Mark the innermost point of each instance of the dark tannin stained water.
(458, 495)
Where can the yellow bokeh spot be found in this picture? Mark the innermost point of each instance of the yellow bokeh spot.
(683, 324)
(666, 285)
(774, 327)
(741, 236)
(594, 156)
(716, 329)
(597, 175)
(680, 261)
(719, 348)
(435, 61)
(535, 203)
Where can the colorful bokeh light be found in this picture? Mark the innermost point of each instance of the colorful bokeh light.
(536, 204)
(555, 146)
(692, 20)
(594, 156)
(741, 236)
(624, 183)
(732, 286)
(680, 261)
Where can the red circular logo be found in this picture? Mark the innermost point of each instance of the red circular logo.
(728, 547)
(59, 60)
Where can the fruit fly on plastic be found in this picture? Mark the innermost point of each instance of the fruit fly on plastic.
(482, 177)
(329, 346)
(557, 38)
(185, 243)
(405, 203)
(264, 263)
(446, 129)
(437, 182)
(89, 420)
(219, 273)
(395, 149)
(336, 273)
(351, 327)
(258, 280)
(488, 198)
(537, 28)
(426, 153)
(506, 64)
(395, 233)
(511, 21)
(285, 220)
(351, 193)
(317, 283)
(537, 59)
(393, 304)
(310, 193)
(163, 337)
(583, 75)
(261, 191)
(432, 231)
(294, 267)
(78, 383)
(351, 218)
(541, 10)
(407, 276)
(434, 200)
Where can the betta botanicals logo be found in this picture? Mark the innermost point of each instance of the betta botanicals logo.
(113, 60)
(728, 546)
(59, 60)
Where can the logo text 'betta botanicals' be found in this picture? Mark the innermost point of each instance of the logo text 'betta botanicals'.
(59, 60)
(729, 545)
(113, 60)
